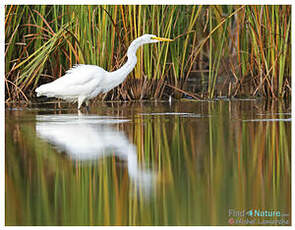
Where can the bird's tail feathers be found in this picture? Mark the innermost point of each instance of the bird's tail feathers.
(43, 90)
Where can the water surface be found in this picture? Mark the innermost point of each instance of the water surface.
(185, 163)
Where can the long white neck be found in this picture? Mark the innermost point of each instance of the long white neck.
(131, 55)
(118, 76)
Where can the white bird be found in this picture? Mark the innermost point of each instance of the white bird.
(91, 138)
(84, 82)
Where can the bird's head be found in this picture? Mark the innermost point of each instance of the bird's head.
(150, 38)
(144, 39)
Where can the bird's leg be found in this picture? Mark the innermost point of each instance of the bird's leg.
(79, 105)
(80, 101)
(87, 105)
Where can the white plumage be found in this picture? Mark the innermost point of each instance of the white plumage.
(74, 83)
(90, 138)
(84, 82)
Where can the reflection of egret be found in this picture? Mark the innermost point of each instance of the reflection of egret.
(87, 138)
(84, 82)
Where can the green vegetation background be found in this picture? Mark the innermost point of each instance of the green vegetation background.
(230, 51)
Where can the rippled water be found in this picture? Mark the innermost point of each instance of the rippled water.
(185, 163)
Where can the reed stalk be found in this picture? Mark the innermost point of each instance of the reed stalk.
(245, 48)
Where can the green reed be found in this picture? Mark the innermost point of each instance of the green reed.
(244, 49)
(269, 28)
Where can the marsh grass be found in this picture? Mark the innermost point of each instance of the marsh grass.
(235, 50)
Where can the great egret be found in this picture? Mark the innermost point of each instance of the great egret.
(83, 82)
(91, 138)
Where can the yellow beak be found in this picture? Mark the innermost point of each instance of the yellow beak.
(163, 39)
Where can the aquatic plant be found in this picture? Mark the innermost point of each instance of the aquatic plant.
(229, 50)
